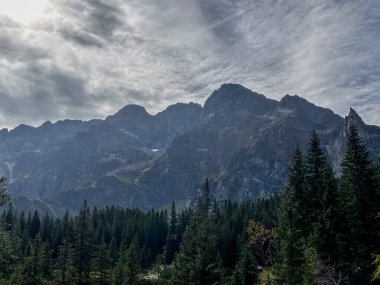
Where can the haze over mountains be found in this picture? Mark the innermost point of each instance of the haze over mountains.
(239, 139)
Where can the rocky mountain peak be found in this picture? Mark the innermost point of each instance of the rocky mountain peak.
(295, 101)
(234, 98)
(354, 116)
(132, 110)
(22, 130)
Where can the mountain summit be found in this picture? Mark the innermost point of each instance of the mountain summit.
(239, 139)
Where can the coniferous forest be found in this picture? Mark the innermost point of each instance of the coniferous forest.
(322, 229)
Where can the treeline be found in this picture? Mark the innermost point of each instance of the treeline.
(120, 246)
(327, 230)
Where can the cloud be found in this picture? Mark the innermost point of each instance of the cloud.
(88, 58)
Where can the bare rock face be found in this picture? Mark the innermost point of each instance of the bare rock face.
(240, 140)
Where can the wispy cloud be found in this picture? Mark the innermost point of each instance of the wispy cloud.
(88, 58)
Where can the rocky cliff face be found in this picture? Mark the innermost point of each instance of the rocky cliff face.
(240, 139)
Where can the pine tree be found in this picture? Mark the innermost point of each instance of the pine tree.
(198, 261)
(82, 245)
(113, 251)
(35, 224)
(359, 203)
(3, 191)
(172, 240)
(32, 270)
(102, 264)
(65, 268)
(245, 272)
(289, 243)
(132, 265)
(320, 202)
(315, 164)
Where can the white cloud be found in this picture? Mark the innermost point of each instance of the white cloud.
(156, 53)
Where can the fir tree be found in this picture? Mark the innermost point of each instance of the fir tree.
(102, 264)
(289, 243)
(65, 268)
(3, 191)
(359, 203)
(198, 261)
(320, 202)
(82, 245)
(132, 266)
(172, 240)
(34, 225)
(245, 272)
(32, 270)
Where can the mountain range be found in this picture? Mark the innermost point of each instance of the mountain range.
(239, 139)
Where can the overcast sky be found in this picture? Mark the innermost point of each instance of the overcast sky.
(84, 59)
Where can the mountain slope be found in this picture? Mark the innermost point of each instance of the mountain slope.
(240, 139)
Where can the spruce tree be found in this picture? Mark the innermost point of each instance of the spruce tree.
(245, 272)
(82, 245)
(132, 265)
(32, 270)
(65, 268)
(289, 242)
(198, 261)
(102, 264)
(172, 240)
(359, 203)
(3, 191)
(320, 202)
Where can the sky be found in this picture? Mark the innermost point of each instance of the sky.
(82, 59)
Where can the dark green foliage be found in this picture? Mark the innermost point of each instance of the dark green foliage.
(34, 225)
(3, 191)
(172, 242)
(83, 246)
(132, 265)
(325, 233)
(107, 240)
(320, 202)
(33, 270)
(290, 240)
(198, 261)
(65, 270)
(245, 272)
(359, 203)
(102, 265)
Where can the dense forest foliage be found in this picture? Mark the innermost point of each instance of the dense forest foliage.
(321, 230)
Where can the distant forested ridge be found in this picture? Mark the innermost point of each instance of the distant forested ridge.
(320, 230)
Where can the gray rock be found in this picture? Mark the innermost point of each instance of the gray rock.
(240, 140)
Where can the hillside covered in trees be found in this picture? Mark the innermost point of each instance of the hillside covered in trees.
(320, 230)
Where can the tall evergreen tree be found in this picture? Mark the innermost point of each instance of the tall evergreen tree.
(289, 243)
(320, 201)
(34, 225)
(132, 265)
(172, 243)
(3, 191)
(65, 268)
(359, 203)
(245, 272)
(82, 245)
(32, 270)
(198, 261)
(102, 264)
